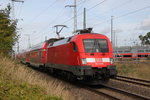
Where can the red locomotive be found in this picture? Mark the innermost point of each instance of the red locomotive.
(85, 56)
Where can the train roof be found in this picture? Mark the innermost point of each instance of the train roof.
(94, 34)
(68, 39)
(90, 35)
(38, 46)
(44, 44)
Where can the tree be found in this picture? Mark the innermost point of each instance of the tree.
(145, 40)
(8, 35)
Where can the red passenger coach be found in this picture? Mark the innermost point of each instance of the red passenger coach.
(85, 56)
(37, 55)
(23, 57)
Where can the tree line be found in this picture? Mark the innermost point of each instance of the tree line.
(8, 34)
(145, 39)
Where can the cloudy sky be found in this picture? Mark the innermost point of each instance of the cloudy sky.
(37, 18)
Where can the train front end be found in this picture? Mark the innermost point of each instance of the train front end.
(96, 56)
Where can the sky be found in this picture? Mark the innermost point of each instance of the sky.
(37, 18)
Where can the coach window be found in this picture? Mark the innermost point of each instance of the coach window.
(147, 50)
(126, 51)
(127, 56)
(140, 50)
(120, 51)
(74, 47)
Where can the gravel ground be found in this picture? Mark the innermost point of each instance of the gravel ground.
(80, 93)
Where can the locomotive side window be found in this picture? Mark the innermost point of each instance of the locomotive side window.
(95, 45)
(74, 47)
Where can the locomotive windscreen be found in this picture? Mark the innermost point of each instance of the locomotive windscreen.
(95, 45)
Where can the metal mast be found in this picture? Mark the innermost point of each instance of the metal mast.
(13, 10)
(13, 17)
(75, 14)
(112, 30)
(29, 43)
(84, 23)
(13, 7)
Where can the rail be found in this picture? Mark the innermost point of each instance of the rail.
(133, 80)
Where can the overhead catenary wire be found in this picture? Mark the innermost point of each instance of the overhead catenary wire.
(19, 13)
(135, 11)
(50, 24)
(73, 17)
(83, 12)
(38, 36)
(81, 4)
(117, 17)
(118, 6)
(16, 7)
(43, 11)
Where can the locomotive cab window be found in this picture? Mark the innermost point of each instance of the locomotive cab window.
(95, 45)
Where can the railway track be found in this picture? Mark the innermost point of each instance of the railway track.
(132, 62)
(116, 93)
(106, 95)
(133, 80)
(120, 92)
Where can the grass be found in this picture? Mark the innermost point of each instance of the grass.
(137, 70)
(18, 82)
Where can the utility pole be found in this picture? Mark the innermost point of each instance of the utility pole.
(45, 38)
(75, 14)
(112, 30)
(29, 43)
(18, 47)
(114, 40)
(84, 19)
(116, 45)
(59, 30)
(13, 15)
(13, 7)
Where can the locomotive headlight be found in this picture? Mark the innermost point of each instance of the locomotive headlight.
(111, 60)
(83, 60)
